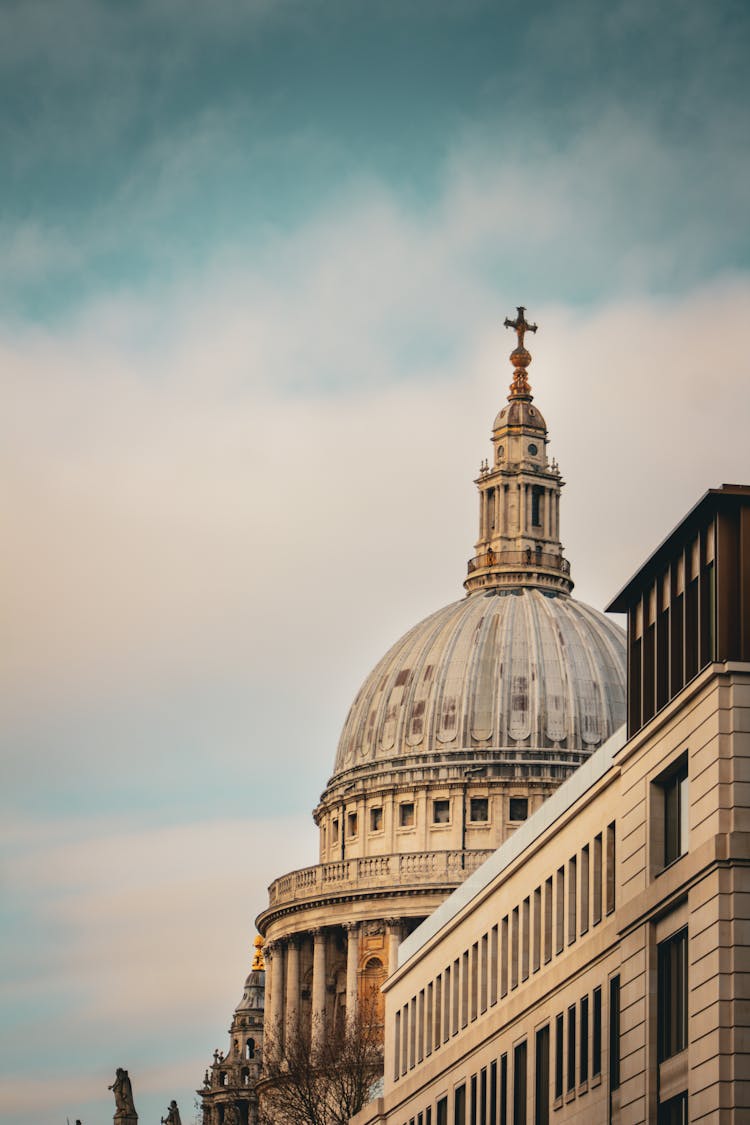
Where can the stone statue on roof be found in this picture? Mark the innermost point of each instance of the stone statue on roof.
(173, 1115)
(123, 1091)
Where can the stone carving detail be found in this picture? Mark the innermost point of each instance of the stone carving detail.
(373, 929)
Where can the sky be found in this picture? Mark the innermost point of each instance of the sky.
(255, 258)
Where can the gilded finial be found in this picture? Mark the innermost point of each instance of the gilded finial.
(258, 962)
(520, 357)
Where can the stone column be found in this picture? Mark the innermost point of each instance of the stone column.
(318, 987)
(352, 967)
(394, 940)
(274, 953)
(522, 509)
(291, 1015)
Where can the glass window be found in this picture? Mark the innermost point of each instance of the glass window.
(479, 809)
(503, 1090)
(441, 811)
(376, 820)
(334, 831)
(674, 790)
(541, 1077)
(519, 808)
(519, 1084)
(596, 1044)
(571, 1047)
(442, 1112)
(674, 1112)
(559, 1056)
(672, 994)
(614, 1033)
(351, 825)
(459, 1105)
(482, 1116)
(583, 1062)
(406, 814)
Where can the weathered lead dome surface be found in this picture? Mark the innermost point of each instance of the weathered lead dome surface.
(505, 669)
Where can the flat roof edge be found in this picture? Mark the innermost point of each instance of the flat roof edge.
(712, 497)
(585, 776)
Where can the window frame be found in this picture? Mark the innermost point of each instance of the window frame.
(517, 819)
(671, 975)
(475, 819)
(445, 806)
(670, 813)
(403, 825)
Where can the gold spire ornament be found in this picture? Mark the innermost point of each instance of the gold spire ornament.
(258, 962)
(519, 357)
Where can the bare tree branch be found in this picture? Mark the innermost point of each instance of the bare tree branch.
(321, 1080)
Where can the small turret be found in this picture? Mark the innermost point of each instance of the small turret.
(228, 1091)
(519, 493)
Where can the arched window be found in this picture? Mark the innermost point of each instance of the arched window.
(250, 1049)
(223, 1078)
(370, 996)
(245, 1076)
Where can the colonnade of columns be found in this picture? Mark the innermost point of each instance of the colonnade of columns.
(495, 518)
(284, 985)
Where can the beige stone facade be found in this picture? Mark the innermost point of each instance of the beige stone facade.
(596, 967)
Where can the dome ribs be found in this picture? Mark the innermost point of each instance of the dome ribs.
(553, 720)
(519, 717)
(485, 678)
(508, 670)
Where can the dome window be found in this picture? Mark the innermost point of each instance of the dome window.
(351, 824)
(519, 808)
(250, 1049)
(441, 811)
(334, 831)
(479, 810)
(406, 814)
(376, 819)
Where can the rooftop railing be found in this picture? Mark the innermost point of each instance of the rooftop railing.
(376, 872)
(524, 559)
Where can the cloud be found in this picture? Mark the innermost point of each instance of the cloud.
(136, 949)
(223, 497)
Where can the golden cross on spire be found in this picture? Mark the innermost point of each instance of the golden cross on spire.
(520, 324)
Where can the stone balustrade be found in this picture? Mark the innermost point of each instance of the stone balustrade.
(448, 868)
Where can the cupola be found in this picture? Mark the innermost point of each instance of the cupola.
(519, 493)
